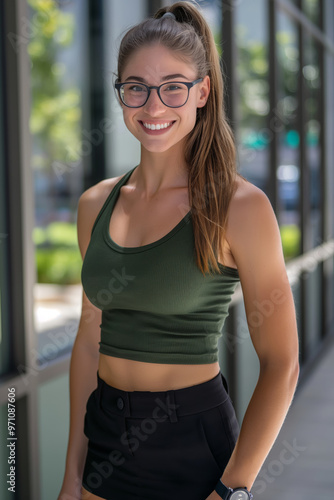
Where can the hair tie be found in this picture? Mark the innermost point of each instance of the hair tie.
(169, 14)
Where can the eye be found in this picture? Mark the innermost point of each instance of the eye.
(172, 87)
(136, 88)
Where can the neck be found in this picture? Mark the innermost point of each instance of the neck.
(158, 171)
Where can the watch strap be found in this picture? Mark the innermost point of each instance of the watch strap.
(222, 490)
(225, 492)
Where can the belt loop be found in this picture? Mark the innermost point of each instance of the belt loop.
(171, 406)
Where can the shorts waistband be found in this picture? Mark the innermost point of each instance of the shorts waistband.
(177, 402)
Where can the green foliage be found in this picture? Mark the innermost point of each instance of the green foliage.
(55, 110)
(290, 235)
(58, 259)
(55, 126)
(253, 85)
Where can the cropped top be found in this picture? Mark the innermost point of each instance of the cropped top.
(156, 304)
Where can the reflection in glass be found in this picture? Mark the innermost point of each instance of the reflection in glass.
(55, 51)
(53, 412)
(312, 10)
(288, 170)
(253, 99)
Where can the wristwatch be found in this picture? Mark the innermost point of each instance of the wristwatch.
(236, 494)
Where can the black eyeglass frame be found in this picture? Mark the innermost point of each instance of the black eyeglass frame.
(189, 85)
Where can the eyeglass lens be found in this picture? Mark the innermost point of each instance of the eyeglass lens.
(172, 94)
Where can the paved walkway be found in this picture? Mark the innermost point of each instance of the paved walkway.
(300, 466)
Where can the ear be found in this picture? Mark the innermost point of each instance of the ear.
(204, 91)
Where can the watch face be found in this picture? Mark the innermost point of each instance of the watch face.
(239, 495)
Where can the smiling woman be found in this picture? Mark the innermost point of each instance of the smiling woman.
(158, 108)
(163, 249)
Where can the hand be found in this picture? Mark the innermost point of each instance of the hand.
(71, 490)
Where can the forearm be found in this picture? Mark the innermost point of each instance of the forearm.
(261, 424)
(83, 368)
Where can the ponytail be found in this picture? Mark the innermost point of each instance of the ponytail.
(210, 149)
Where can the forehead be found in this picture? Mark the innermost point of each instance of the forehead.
(153, 62)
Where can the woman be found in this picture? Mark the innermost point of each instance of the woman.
(164, 247)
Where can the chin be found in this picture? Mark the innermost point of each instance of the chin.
(156, 148)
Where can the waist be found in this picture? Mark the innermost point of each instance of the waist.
(185, 401)
(130, 375)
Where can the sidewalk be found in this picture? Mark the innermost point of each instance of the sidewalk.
(300, 466)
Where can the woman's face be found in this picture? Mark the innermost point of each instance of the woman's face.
(155, 65)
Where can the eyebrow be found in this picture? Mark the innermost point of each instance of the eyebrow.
(164, 78)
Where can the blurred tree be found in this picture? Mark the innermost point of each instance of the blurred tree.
(55, 125)
(55, 110)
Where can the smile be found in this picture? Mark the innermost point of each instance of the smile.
(156, 126)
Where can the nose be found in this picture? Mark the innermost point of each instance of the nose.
(154, 105)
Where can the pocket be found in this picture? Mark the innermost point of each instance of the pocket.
(216, 437)
(90, 406)
(229, 421)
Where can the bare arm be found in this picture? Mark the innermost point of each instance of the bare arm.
(83, 368)
(255, 243)
(85, 355)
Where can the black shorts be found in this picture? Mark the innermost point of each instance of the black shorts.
(165, 445)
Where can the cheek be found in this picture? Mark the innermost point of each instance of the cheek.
(128, 117)
(190, 117)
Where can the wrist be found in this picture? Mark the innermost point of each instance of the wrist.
(227, 493)
(234, 478)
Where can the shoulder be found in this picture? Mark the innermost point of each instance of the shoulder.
(97, 194)
(252, 230)
(247, 196)
(90, 203)
(249, 208)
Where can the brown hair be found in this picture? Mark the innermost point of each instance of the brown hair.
(210, 149)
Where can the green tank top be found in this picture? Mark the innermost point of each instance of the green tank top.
(156, 304)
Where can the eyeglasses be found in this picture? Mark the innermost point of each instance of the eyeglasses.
(172, 94)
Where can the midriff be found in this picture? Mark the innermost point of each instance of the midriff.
(129, 375)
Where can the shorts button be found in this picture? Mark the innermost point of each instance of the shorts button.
(120, 403)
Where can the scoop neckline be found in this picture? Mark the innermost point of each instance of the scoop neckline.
(118, 248)
(141, 248)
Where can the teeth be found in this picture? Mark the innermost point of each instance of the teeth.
(158, 126)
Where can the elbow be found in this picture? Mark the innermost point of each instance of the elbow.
(290, 372)
(285, 371)
(293, 371)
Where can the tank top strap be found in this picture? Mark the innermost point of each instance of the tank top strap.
(114, 192)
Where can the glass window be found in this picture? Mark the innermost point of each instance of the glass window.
(122, 149)
(53, 426)
(313, 309)
(57, 53)
(313, 88)
(213, 10)
(4, 305)
(288, 169)
(253, 100)
(312, 9)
